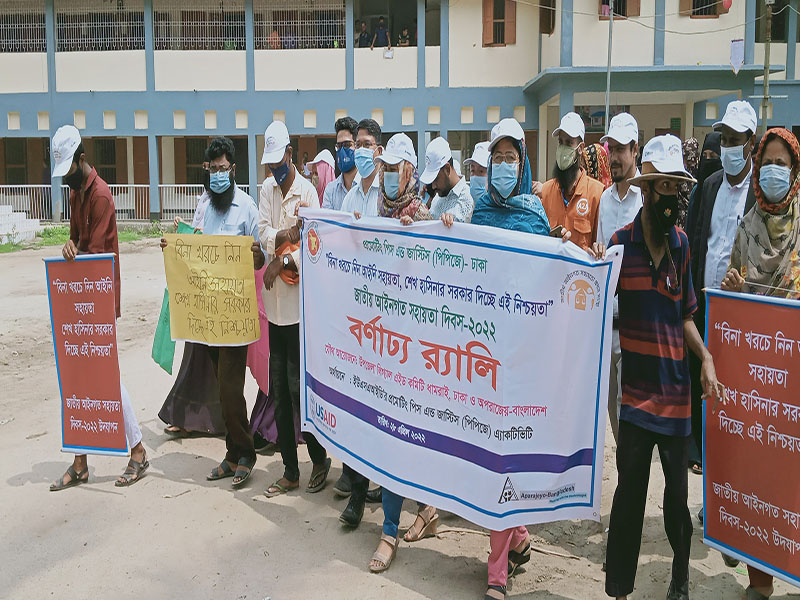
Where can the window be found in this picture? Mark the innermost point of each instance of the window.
(288, 24)
(99, 25)
(204, 25)
(499, 22)
(547, 16)
(16, 151)
(622, 8)
(22, 26)
(195, 151)
(780, 22)
(105, 159)
(702, 8)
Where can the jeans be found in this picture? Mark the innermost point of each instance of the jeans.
(284, 369)
(230, 364)
(634, 455)
(392, 507)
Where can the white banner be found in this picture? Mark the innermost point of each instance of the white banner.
(466, 368)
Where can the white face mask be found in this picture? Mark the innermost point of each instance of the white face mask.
(733, 160)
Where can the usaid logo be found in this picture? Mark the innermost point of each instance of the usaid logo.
(325, 417)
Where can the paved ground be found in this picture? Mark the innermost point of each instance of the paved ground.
(175, 535)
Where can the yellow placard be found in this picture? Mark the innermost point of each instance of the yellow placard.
(212, 289)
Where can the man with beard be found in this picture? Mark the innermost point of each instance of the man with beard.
(231, 212)
(656, 303)
(453, 201)
(618, 206)
(93, 230)
(571, 198)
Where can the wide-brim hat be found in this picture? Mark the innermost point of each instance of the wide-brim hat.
(649, 173)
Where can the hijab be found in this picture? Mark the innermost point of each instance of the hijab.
(597, 166)
(691, 160)
(708, 166)
(406, 204)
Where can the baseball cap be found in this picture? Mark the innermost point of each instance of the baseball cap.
(398, 148)
(662, 156)
(276, 138)
(437, 155)
(623, 129)
(65, 141)
(572, 125)
(506, 128)
(324, 156)
(480, 155)
(739, 116)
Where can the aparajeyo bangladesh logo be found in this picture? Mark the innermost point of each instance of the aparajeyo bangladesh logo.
(313, 243)
(581, 291)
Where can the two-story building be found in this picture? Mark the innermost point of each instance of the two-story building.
(148, 82)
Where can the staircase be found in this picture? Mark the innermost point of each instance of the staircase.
(16, 226)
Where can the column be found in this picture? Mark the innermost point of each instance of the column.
(50, 36)
(566, 33)
(444, 45)
(253, 166)
(421, 48)
(750, 33)
(687, 123)
(349, 51)
(791, 44)
(658, 33)
(542, 138)
(149, 46)
(154, 160)
(249, 36)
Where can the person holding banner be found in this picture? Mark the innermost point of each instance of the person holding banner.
(478, 165)
(764, 258)
(93, 230)
(452, 200)
(656, 303)
(362, 199)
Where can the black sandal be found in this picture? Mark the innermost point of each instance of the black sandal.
(495, 592)
(75, 478)
(321, 478)
(133, 472)
(243, 470)
(517, 559)
(221, 472)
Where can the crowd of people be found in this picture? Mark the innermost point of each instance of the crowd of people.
(726, 217)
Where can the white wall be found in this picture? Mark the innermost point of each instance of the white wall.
(322, 69)
(633, 43)
(23, 72)
(472, 65)
(551, 45)
(432, 66)
(108, 71)
(777, 56)
(712, 46)
(187, 70)
(372, 70)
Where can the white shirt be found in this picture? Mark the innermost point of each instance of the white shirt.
(725, 219)
(364, 204)
(200, 212)
(458, 203)
(334, 193)
(282, 302)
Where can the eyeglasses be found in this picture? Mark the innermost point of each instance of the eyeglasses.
(348, 145)
(365, 144)
(507, 158)
(216, 169)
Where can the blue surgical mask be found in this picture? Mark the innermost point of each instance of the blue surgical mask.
(733, 160)
(281, 172)
(477, 186)
(774, 181)
(219, 181)
(365, 161)
(504, 178)
(345, 159)
(391, 184)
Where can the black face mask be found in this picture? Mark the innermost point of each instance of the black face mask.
(664, 210)
(75, 180)
(708, 166)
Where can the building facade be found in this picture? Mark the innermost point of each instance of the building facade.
(148, 82)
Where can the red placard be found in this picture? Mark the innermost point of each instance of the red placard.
(83, 318)
(752, 444)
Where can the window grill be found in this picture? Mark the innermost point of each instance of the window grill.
(22, 27)
(199, 25)
(83, 25)
(290, 24)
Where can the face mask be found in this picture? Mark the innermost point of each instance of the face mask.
(346, 159)
(281, 172)
(220, 182)
(708, 166)
(665, 211)
(774, 182)
(477, 185)
(391, 184)
(734, 160)
(75, 180)
(565, 156)
(365, 161)
(504, 178)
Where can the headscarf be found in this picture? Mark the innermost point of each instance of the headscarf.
(524, 177)
(407, 204)
(708, 166)
(325, 174)
(768, 239)
(595, 158)
(691, 160)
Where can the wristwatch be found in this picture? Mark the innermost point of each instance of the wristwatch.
(285, 261)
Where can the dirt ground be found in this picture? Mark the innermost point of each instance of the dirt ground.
(175, 535)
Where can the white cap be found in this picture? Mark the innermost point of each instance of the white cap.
(623, 129)
(276, 138)
(480, 155)
(572, 125)
(437, 155)
(662, 156)
(398, 148)
(739, 116)
(65, 141)
(457, 168)
(324, 156)
(506, 128)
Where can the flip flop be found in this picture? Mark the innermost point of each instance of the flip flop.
(517, 559)
(280, 489)
(321, 477)
(133, 472)
(75, 479)
(226, 472)
(243, 470)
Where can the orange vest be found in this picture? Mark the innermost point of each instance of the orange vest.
(581, 214)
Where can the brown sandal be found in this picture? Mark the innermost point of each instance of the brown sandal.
(428, 529)
(384, 560)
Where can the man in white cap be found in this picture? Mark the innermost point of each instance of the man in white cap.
(281, 196)
(362, 199)
(93, 230)
(399, 194)
(478, 165)
(618, 206)
(656, 303)
(571, 198)
(346, 131)
(453, 201)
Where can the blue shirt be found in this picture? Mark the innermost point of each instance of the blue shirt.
(334, 193)
(240, 219)
(381, 37)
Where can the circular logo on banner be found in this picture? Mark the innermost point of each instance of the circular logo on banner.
(581, 291)
(582, 207)
(313, 243)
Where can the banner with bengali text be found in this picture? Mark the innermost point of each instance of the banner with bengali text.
(752, 444)
(212, 291)
(83, 319)
(463, 367)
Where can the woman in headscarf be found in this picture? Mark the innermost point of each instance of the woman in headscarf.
(765, 258)
(595, 158)
(691, 161)
(323, 167)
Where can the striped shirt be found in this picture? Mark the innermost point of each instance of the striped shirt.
(653, 304)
